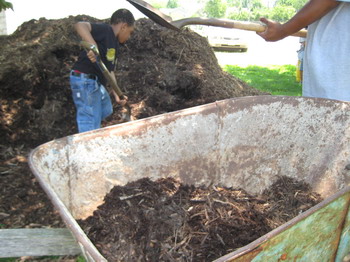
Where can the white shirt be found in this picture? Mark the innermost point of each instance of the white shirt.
(327, 56)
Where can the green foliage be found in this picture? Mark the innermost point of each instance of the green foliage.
(81, 259)
(158, 4)
(241, 14)
(276, 80)
(245, 4)
(261, 12)
(172, 4)
(5, 5)
(215, 8)
(246, 15)
(282, 13)
(296, 4)
(252, 10)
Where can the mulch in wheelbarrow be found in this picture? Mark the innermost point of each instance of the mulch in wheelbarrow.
(165, 220)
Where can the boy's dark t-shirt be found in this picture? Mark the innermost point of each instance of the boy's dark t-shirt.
(108, 46)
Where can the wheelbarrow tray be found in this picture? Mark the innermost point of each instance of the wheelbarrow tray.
(241, 142)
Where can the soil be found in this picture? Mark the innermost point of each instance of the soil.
(159, 70)
(167, 221)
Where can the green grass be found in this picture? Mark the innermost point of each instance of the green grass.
(275, 79)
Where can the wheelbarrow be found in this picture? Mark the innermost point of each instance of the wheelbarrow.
(241, 142)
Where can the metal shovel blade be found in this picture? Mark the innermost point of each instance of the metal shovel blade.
(154, 14)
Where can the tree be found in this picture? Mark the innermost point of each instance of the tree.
(215, 8)
(234, 3)
(172, 4)
(158, 4)
(240, 14)
(244, 14)
(5, 5)
(246, 10)
(248, 4)
(297, 4)
(282, 13)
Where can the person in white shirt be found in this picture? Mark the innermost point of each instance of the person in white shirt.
(327, 56)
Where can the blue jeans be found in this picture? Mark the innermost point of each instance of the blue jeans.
(92, 102)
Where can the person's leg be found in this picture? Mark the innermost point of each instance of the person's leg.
(106, 104)
(87, 99)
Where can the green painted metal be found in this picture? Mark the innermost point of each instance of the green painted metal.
(322, 234)
(344, 244)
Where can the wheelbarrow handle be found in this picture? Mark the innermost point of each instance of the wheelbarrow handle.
(102, 66)
(243, 25)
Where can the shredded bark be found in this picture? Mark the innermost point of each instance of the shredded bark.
(165, 220)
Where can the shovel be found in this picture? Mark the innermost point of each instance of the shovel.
(125, 116)
(167, 21)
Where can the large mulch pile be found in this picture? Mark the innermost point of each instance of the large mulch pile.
(160, 70)
(167, 221)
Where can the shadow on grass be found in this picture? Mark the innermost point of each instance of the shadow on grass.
(277, 80)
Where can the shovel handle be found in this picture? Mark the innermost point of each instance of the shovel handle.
(103, 68)
(243, 25)
(111, 80)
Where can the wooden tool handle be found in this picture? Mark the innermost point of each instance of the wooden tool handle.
(243, 25)
(103, 68)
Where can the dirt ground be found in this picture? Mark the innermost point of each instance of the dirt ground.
(160, 70)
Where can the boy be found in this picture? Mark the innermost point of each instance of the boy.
(92, 102)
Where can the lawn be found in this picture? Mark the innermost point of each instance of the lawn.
(274, 79)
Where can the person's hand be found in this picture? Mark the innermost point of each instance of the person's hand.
(274, 30)
(122, 102)
(119, 101)
(91, 55)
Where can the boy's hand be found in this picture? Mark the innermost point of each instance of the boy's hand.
(91, 55)
(122, 102)
(119, 101)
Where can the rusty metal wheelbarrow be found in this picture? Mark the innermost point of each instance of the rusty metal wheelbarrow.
(241, 142)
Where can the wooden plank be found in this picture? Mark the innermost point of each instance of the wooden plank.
(37, 242)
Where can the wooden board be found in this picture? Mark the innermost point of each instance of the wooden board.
(37, 242)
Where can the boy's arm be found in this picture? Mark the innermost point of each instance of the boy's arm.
(118, 99)
(311, 12)
(84, 31)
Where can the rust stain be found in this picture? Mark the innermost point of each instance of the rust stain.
(284, 256)
(249, 256)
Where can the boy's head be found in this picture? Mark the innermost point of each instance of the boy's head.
(125, 20)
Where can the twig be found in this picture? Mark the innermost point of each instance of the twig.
(226, 203)
(179, 56)
(221, 240)
(128, 197)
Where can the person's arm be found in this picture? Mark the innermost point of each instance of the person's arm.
(84, 31)
(120, 101)
(311, 12)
